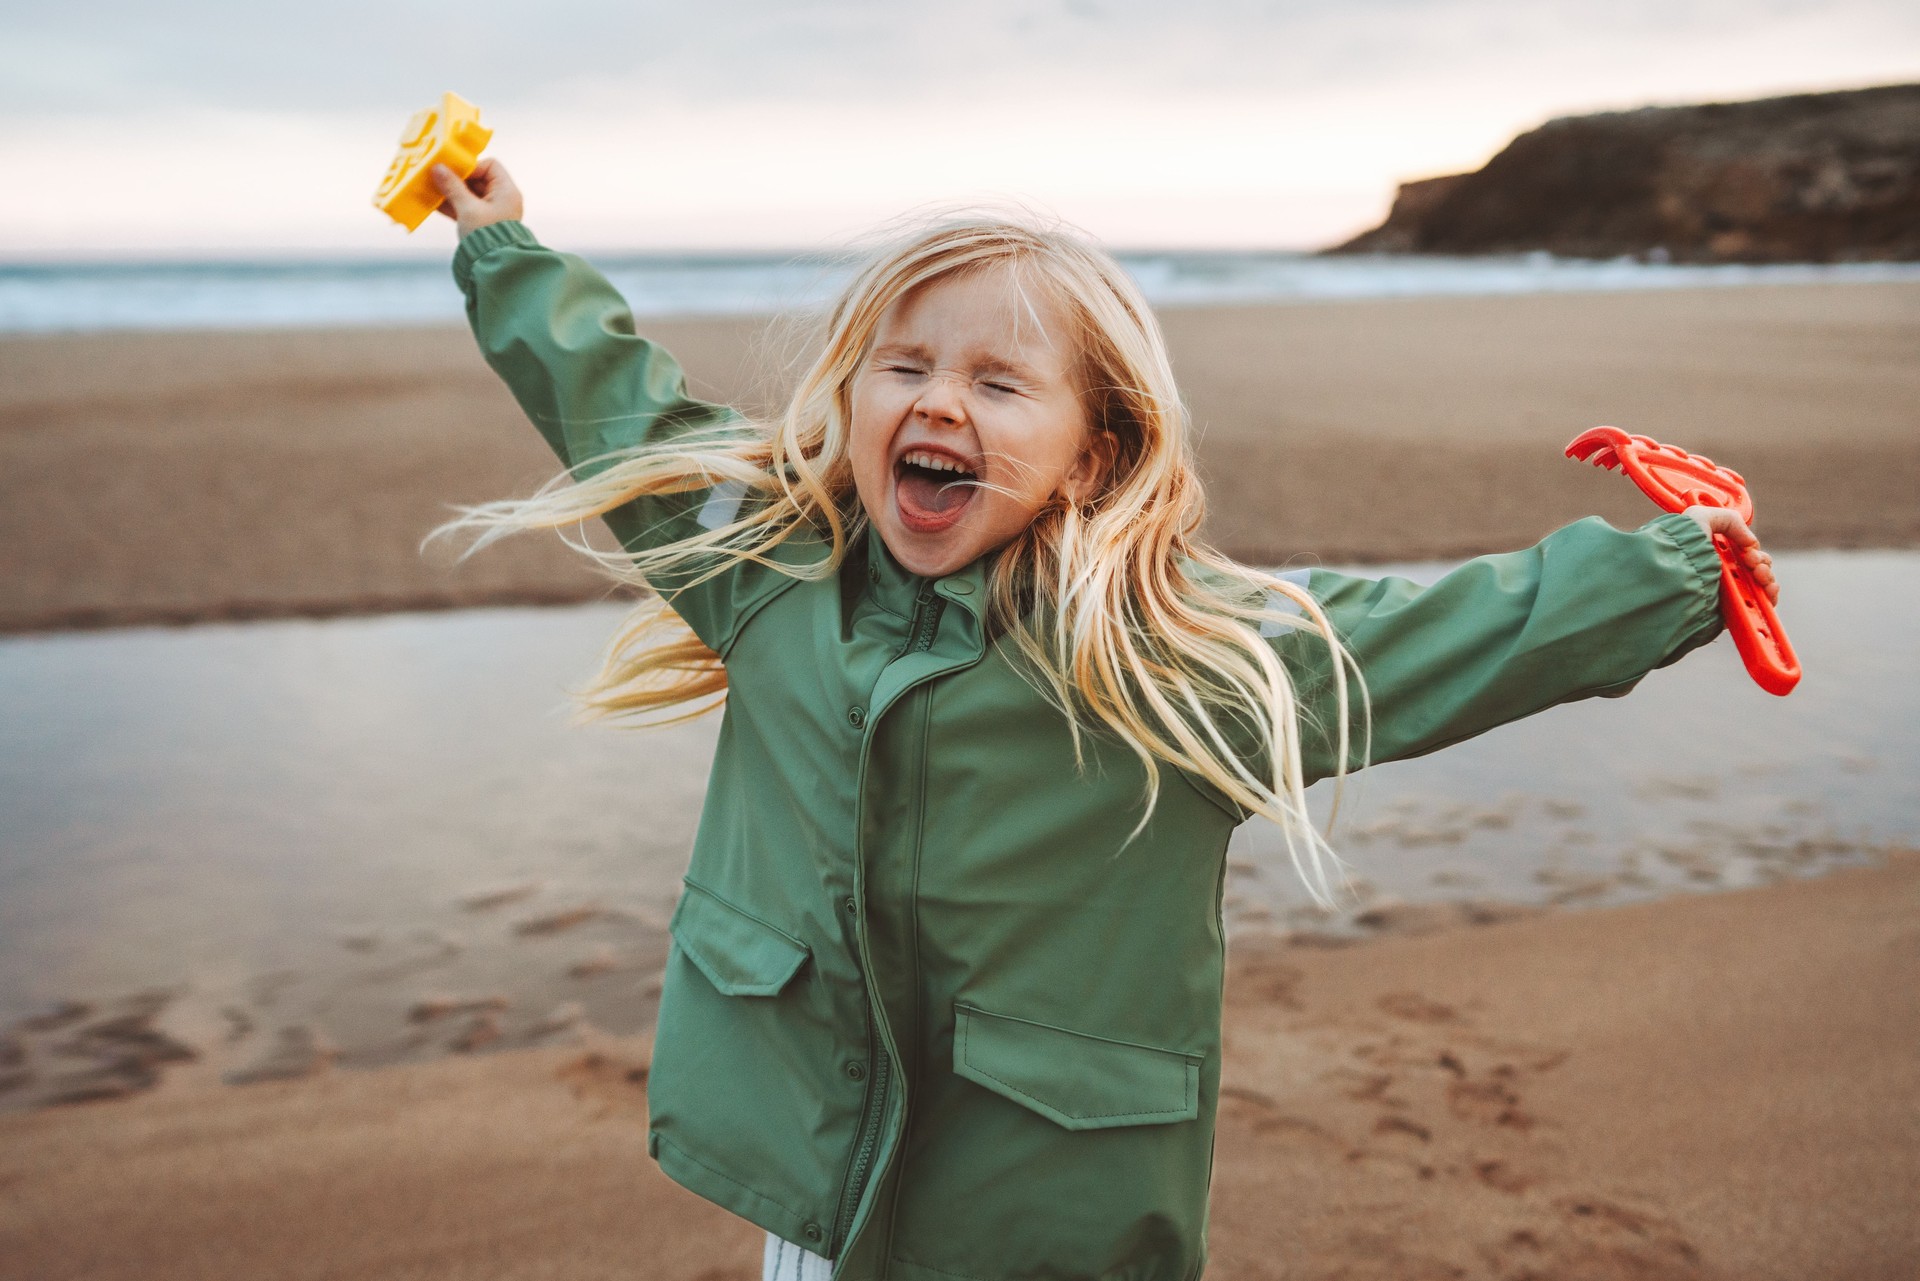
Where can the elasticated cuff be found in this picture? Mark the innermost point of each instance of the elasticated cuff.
(1696, 544)
(482, 241)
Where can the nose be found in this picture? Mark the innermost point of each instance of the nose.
(940, 401)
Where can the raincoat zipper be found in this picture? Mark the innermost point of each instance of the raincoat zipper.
(920, 632)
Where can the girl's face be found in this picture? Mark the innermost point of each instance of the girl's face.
(965, 383)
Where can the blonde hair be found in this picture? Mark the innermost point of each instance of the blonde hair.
(1126, 620)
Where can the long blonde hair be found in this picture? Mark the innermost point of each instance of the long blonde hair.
(1126, 621)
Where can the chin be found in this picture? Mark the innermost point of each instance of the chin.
(929, 562)
(928, 554)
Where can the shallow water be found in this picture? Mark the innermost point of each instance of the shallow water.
(80, 297)
(284, 821)
(1695, 780)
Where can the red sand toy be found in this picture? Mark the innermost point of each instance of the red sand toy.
(1677, 480)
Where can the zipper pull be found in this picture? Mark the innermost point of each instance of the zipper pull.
(926, 613)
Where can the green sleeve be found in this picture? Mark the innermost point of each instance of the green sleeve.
(563, 340)
(1589, 610)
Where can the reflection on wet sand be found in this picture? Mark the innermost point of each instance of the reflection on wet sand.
(254, 852)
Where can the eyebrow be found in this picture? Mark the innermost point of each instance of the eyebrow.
(987, 364)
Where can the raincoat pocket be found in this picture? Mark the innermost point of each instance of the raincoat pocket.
(740, 954)
(1074, 1079)
(746, 1090)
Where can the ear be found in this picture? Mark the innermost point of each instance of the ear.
(1090, 471)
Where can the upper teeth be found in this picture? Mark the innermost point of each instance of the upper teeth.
(937, 462)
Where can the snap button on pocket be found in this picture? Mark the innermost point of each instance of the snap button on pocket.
(856, 717)
(856, 1071)
(812, 1232)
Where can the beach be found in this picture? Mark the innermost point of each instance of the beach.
(1712, 1083)
(168, 477)
(1708, 1086)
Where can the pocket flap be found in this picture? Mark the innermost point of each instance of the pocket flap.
(1073, 1079)
(739, 952)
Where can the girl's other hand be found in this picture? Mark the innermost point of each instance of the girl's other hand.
(487, 196)
(1718, 520)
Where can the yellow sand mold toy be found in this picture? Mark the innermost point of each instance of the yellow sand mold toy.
(449, 134)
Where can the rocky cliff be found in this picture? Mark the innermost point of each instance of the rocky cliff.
(1818, 177)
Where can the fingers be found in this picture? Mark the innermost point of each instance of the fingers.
(1761, 566)
(460, 197)
(1757, 562)
(1736, 531)
(489, 177)
(492, 183)
(1722, 523)
(487, 196)
(1744, 544)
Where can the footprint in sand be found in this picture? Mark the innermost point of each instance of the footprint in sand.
(1365, 1087)
(1592, 1237)
(1488, 1102)
(597, 962)
(611, 1083)
(487, 900)
(557, 922)
(1501, 1177)
(564, 1017)
(297, 1051)
(52, 1020)
(1400, 1125)
(1411, 1005)
(1266, 1118)
(430, 1008)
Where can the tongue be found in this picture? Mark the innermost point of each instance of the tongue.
(926, 492)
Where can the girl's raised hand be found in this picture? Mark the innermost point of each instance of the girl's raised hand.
(1719, 520)
(489, 195)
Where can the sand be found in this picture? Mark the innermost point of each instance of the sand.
(181, 476)
(1704, 1086)
(1707, 1086)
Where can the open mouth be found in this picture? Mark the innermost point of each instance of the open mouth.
(932, 489)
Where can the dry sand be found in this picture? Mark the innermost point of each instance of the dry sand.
(150, 477)
(1715, 1086)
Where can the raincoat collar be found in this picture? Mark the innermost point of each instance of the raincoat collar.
(895, 588)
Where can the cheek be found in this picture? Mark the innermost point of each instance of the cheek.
(1048, 451)
(870, 429)
(866, 436)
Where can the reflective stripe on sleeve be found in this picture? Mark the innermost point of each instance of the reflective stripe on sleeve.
(1281, 610)
(723, 504)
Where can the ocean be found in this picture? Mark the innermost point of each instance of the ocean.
(69, 297)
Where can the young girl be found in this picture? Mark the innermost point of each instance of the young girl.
(944, 993)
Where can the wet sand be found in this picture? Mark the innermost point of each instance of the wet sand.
(181, 476)
(1717, 1086)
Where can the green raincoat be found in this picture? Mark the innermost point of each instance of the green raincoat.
(925, 1011)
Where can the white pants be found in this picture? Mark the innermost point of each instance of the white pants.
(785, 1261)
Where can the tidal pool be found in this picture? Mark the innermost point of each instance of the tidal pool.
(380, 837)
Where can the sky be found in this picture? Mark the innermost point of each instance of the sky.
(211, 128)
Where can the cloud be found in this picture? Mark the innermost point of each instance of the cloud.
(359, 54)
(263, 127)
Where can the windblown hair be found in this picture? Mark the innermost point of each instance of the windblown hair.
(1126, 620)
